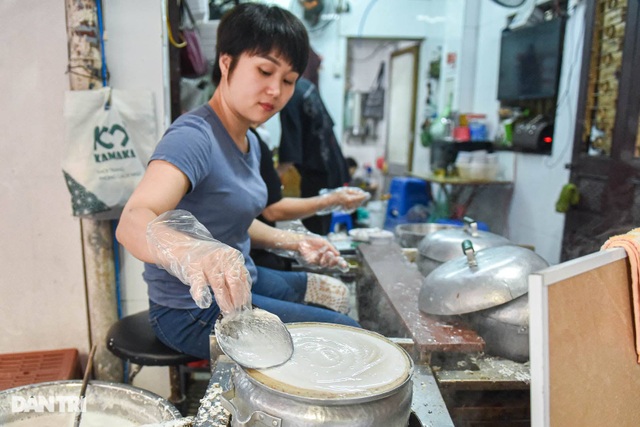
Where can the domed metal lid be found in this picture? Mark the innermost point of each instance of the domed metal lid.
(444, 245)
(410, 235)
(479, 280)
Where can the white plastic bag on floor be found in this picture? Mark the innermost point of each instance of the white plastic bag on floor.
(110, 135)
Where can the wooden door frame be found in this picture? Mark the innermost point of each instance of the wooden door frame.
(615, 177)
(627, 91)
(415, 50)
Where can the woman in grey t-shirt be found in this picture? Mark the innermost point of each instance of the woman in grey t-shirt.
(192, 217)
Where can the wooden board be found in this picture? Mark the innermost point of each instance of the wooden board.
(584, 369)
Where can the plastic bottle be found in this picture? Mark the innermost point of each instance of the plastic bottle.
(478, 127)
(442, 128)
(425, 130)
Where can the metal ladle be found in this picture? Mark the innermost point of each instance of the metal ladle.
(254, 338)
(83, 389)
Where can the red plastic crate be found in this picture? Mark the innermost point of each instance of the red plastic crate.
(18, 369)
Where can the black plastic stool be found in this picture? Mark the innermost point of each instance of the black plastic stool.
(133, 340)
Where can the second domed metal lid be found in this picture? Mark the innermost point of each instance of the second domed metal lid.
(479, 280)
(444, 245)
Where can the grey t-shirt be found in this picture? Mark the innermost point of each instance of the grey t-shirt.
(227, 192)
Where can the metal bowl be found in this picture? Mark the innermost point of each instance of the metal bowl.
(410, 235)
(54, 403)
(505, 329)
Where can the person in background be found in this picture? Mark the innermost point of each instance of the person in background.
(292, 208)
(352, 166)
(322, 290)
(359, 180)
(312, 72)
(309, 143)
(192, 217)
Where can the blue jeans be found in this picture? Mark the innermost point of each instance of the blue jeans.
(279, 292)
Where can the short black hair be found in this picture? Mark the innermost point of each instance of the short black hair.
(258, 29)
(351, 162)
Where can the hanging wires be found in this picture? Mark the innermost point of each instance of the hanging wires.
(90, 72)
(173, 41)
(104, 76)
(365, 15)
(374, 53)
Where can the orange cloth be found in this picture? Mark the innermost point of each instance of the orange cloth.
(631, 243)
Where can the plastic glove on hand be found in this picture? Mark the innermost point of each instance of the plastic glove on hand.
(344, 199)
(350, 198)
(185, 248)
(318, 251)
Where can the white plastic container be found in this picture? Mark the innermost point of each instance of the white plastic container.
(377, 213)
(478, 171)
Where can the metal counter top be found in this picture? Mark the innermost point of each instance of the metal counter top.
(389, 277)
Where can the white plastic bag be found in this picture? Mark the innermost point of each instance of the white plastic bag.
(110, 135)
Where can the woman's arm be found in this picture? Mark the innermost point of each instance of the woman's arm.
(196, 258)
(289, 208)
(160, 190)
(264, 236)
(306, 247)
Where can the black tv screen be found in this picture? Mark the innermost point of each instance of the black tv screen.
(530, 61)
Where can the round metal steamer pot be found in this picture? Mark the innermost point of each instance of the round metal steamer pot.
(444, 245)
(410, 235)
(479, 280)
(256, 401)
(505, 329)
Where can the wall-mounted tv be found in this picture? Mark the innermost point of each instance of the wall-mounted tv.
(530, 61)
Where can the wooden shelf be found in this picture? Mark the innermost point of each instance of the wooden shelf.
(521, 150)
(459, 181)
